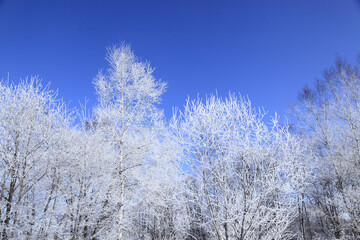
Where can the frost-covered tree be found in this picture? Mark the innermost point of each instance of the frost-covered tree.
(84, 178)
(329, 115)
(160, 210)
(31, 123)
(240, 186)
(127, 116)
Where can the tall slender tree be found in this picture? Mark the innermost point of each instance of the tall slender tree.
(127, 113)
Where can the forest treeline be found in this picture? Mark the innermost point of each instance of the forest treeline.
(216, 170)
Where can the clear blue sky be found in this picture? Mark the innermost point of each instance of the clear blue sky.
(267, 50)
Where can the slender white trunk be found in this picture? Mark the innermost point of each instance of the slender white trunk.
(122, 195)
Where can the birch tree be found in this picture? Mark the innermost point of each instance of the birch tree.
(31, 119)
(160, 209)
(128, 94)
(329, 115)
(84, 177)
(238, 164)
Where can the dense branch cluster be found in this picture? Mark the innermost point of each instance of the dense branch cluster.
(216, 170)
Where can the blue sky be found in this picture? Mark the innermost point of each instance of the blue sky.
(267, 50)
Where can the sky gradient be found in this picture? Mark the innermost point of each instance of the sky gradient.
(267, 50)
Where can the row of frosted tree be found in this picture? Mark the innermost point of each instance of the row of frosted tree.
(216, 170)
